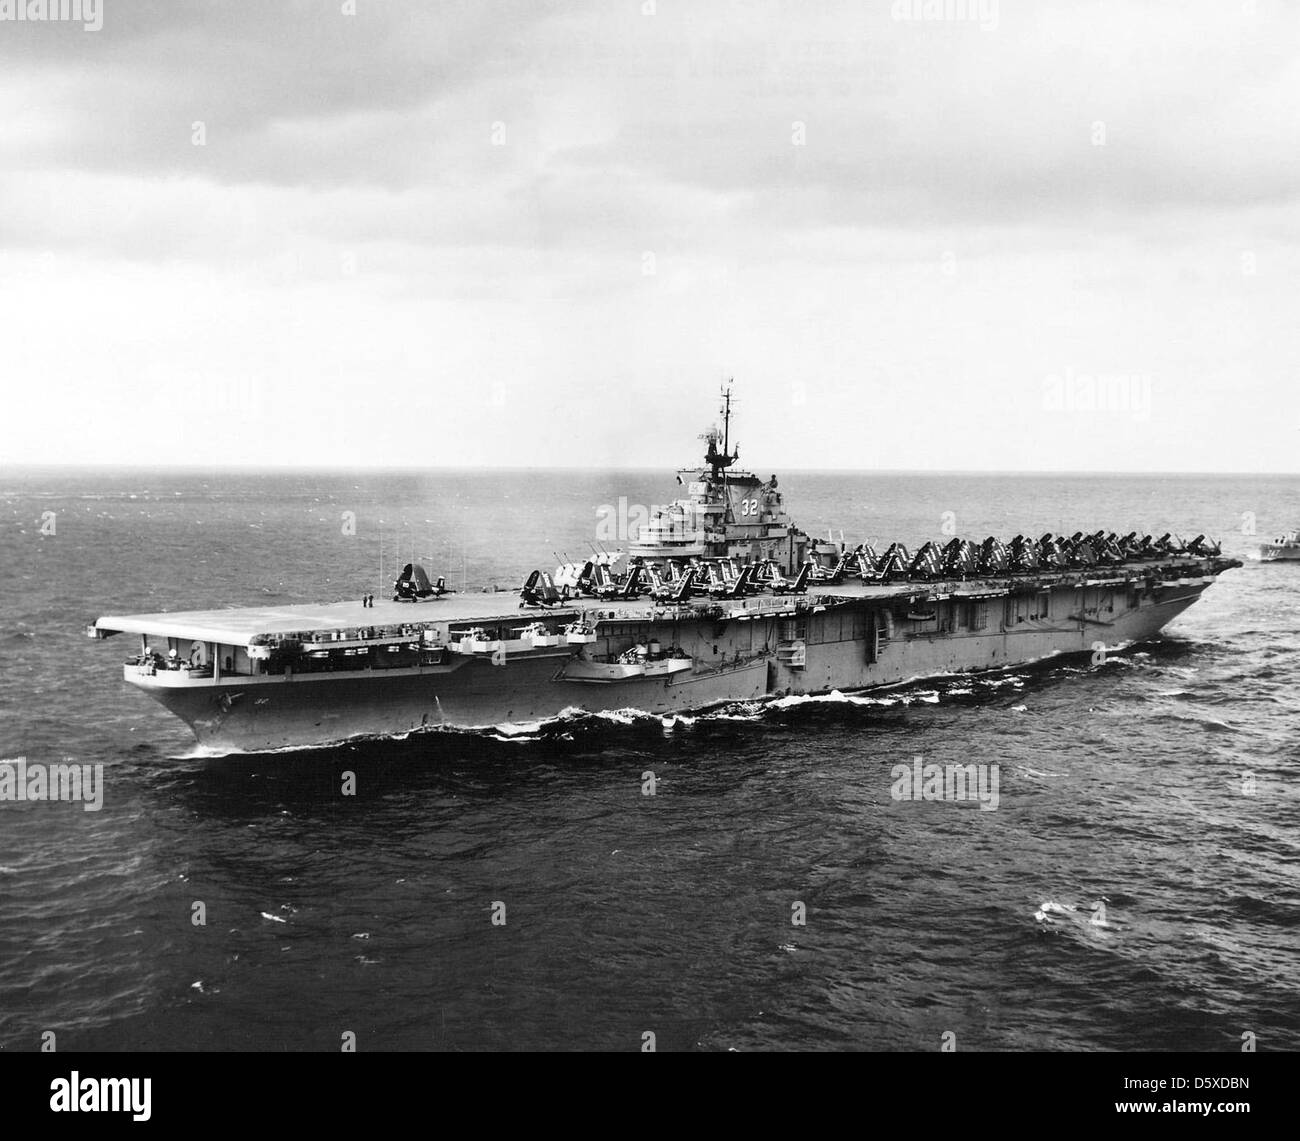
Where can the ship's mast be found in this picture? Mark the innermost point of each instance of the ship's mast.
(727, 516)
(726, 418)
(717, 460)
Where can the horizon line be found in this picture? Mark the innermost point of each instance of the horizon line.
(279, 469)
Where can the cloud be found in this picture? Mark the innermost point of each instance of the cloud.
(303, 95)
(502, 122)
(918, 221)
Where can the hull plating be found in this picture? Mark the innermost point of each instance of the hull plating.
(844, 648)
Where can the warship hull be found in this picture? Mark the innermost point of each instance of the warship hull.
(1280, 553)
(700, 629)
(460, 662)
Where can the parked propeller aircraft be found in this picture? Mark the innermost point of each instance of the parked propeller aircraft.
(413, 584)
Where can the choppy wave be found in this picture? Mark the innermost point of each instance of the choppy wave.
(641, 856)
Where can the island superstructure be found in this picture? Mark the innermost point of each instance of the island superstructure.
(727, 513)
(720, 599)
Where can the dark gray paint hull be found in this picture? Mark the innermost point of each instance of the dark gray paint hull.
(845, 648)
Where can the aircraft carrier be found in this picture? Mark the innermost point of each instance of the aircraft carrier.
(720, 599)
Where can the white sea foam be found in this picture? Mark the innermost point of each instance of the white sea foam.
(507, 729)
(1091, 920)
(835, 697)
(1050, 907)
(627, 716)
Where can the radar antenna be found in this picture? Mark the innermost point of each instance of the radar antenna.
(721, 460)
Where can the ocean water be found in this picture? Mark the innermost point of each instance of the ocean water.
(1161, 783)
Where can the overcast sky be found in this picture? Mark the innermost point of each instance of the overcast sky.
(1018, 236)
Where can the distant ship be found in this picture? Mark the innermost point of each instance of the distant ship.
(720, 599)
(1285, 548)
